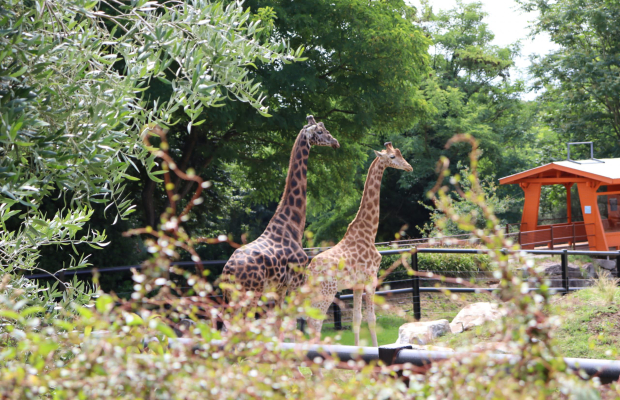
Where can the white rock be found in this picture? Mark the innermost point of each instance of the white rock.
(476, 314)
(457, 327)
(421, 333)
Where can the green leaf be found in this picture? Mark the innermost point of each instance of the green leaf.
(19, 72)
(166, 330)
(104, 303)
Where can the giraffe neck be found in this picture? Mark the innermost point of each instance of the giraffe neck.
(289, 219)
(364, 226)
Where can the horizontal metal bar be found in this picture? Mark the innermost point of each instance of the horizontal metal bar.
(611, 254)
(451, 289)
(120, 269)
(606, 370)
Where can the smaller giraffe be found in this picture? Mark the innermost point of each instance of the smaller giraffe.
(354, 262)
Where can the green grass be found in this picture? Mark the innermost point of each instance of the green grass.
(590, 326)
(387, 332)
(434, 307)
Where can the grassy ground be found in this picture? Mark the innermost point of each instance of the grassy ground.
(387, 332)
(589, 327)
(434, 306)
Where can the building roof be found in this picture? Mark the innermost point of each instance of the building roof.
(607, 171)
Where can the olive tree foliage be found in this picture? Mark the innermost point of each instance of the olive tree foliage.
(72, 110)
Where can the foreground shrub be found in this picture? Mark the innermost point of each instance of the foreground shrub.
(130, 349)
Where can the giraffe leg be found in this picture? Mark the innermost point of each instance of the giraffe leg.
(279, 304)
(328, 292)
(370, 314)
(357, 314)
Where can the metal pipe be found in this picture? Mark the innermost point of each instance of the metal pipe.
(450, 289)
(606, 370)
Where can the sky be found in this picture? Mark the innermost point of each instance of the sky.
(509, 24)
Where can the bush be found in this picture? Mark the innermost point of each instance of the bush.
(114, 348)
(463, 265)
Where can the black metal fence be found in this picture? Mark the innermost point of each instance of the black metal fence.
(414, 288)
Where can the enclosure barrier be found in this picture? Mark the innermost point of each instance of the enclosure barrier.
(396, 354)
(415, 288)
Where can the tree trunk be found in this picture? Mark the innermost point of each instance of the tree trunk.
(148, 204)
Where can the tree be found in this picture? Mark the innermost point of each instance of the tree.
(582, 78)
(72, 114)
(363, 63)
(468, 91)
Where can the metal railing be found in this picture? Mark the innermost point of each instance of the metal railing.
(606, 370)
(415, 289)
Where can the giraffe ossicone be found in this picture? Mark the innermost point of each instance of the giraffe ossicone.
(354, 262)
(274, 262)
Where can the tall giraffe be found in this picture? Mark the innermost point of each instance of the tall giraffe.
(354, 262)
(273, 262)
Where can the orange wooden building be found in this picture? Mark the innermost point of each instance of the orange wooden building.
(598, 186)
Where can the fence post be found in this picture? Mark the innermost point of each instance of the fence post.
(415, 285)
(337, 315)
(618, 266)
(565, 271)
(551, 244)
(61, 276)
(301, 325)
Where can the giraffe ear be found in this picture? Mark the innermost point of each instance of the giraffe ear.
(378, 154)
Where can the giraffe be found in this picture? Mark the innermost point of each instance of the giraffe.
(273, 262)
(354, 262)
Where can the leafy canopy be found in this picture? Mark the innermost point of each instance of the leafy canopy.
(72, 111)
(581, 78)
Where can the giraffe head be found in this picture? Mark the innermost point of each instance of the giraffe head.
(317, 134)
(391, 157)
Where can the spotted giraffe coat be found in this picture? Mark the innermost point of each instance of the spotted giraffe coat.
(275, 261)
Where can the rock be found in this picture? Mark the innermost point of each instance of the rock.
(589, 270)
(421, 333)
(556, 269)
(457, 327)
(477, 314)
(609, 265)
